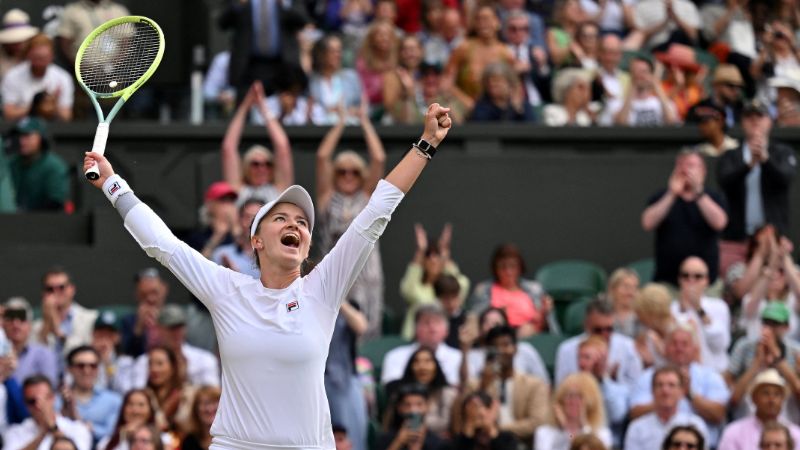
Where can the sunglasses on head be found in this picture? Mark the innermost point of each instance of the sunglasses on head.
(343, 172)
(693, 276)
(56, 287)
(260, 163)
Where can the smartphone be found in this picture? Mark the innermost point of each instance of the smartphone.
(414, 421)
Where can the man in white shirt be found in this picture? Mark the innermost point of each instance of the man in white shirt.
(615, 82)
(430, 330)
(38, 431)
(648, 432)
(710, 316)
(705, 393)
(624, 363)
(37, 74)
(202, 367)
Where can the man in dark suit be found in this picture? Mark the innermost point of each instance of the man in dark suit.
(264, 39)
(755, 178)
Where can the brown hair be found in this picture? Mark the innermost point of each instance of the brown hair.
(195, 426)
(507, 251)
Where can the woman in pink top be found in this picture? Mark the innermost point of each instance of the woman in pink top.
(529, 309)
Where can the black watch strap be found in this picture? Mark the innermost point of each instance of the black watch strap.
(425, 147)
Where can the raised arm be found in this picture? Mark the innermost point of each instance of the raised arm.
(231, 161)
(325, 163)
(208, 281)
(377, 155)
(284, 164)
(406, 172)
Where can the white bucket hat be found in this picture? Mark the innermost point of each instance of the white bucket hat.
(295, 195)
(16, 27)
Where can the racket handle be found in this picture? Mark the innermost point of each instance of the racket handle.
(99, 146)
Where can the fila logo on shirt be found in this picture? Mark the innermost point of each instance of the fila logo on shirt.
(293, 305)
(114, 188)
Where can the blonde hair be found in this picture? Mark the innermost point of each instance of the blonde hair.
(585, 383)
(250, 154)
(593, 341)
(351, 158)
(368, 53)
(619, 275)
(565, 79)
(653, 300)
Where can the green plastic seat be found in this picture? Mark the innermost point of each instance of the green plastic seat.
(547, 345)
(376, 349)
(119, 310)
(574, 316)
(569, 280)
(645, 268)
(392, 323)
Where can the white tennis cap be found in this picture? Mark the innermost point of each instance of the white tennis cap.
(295, 195)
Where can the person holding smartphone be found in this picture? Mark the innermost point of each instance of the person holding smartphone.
(406, 429)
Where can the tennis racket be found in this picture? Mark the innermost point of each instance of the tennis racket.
(114, 61)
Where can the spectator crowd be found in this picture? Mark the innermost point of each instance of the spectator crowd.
(700, 354)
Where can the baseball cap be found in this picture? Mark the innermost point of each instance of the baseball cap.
(427, 66)
(295, 195)
(107, 320)
(219, 190)
(17, 308)
(172, 316)
(30, 125)
(776, 311)
(768, 377)
(755, 106)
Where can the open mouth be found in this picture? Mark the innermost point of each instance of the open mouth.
(291, 240)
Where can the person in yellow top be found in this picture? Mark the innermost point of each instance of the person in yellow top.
(430, 261)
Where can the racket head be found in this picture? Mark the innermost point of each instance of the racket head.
(119, 56)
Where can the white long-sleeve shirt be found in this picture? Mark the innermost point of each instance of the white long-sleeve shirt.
(715, 337)
(273, 343)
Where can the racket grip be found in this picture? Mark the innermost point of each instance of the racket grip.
(98, 146)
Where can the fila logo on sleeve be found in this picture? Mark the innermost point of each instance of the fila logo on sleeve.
(293, 305)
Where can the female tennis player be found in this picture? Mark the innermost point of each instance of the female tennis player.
(274, 331)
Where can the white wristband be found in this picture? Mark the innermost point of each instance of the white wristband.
(115, 186)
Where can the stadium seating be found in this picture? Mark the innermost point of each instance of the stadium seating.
(644, 268)
(375, 349)
(569, 280)
(547, 344)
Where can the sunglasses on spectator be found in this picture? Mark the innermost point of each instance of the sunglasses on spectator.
(517, 28)
(56, 287)
(683, 444)
(772, 323)
(32, 401)
(343, 172)
(693, 276)
(260, 163)
(15, 314)
(84, 365)
(602, 330)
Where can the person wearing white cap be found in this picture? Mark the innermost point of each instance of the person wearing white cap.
(274, 331)
(768, 392)
(15, 32)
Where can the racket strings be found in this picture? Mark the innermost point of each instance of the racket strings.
(119, 56)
